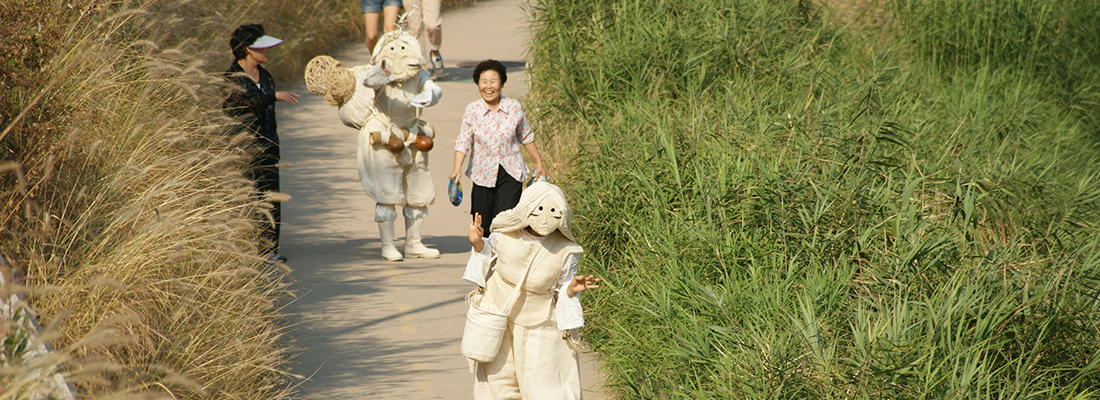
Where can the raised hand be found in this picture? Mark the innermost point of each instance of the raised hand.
(476, 231)
(580, 283)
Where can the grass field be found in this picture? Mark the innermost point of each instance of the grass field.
(123, 197)
(896, 201)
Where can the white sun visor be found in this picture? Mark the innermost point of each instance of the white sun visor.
(264, 42)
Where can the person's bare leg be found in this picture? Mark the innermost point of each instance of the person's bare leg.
(390, 15)
(371, 22)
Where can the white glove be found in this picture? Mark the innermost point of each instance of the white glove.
(429, 94)
(422, 100)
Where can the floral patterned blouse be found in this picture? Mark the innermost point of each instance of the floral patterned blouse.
(492, 138)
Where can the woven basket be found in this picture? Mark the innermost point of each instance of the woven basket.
(317, 71)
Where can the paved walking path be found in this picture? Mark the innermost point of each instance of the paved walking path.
(372, 329)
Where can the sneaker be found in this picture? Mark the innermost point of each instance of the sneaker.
(272, 258)
(437, 65)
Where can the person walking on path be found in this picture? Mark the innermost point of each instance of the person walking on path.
(394, 143)
(373, 329)
(493, 130)
(530, 245)
(372, 9)
(427, 25)
(255, 102)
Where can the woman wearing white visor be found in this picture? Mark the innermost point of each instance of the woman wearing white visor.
(254, 103)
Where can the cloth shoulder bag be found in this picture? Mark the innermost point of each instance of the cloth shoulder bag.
(485, 327)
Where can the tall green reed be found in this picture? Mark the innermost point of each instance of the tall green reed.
(781, 208)
(1048, 40)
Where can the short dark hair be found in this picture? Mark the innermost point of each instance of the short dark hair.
(245, 36)
(491, 65)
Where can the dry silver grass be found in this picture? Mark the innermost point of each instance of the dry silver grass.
(143, 221)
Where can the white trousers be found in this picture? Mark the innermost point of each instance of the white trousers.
(533, 363)
(393, 178)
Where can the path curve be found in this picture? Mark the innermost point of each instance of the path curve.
(372, 329)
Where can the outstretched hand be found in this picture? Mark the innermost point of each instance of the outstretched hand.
(580, 283)
(476, 232)
(289, 97)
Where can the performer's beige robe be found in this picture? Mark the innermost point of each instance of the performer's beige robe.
(396, 178)
(535, 361)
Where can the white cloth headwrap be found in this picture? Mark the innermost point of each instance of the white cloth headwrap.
(516, 218)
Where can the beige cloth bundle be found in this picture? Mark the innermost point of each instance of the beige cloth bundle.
(358, 106)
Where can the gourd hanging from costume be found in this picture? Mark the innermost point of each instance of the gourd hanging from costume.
(384, 103)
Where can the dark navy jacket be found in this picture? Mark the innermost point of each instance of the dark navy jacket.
(257, 104)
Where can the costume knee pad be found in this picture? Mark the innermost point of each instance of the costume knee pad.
(415, 212)
(385, 212)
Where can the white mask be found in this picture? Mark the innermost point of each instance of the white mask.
(402, 54)
(546, 216)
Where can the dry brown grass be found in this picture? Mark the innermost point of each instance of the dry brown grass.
(139, 215)
(123, 201)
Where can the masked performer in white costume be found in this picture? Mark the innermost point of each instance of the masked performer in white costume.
(385, 106)
(537, 358)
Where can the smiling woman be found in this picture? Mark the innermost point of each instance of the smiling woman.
(493, 130)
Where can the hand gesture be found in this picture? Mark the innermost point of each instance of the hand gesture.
(580, 283)
(476, 231)
(289, 97)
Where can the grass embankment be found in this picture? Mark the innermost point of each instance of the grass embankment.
(782, 206)
(123, 199)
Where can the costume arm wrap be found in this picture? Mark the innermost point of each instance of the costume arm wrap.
(376, 77)
(477, 268)
(568, 311)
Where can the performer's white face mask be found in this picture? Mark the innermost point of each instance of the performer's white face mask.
(546, 217)
(402, 54)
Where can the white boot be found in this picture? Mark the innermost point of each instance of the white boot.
(413, 246)
(389, 251)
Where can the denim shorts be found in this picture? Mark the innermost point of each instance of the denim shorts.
(375, 6)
